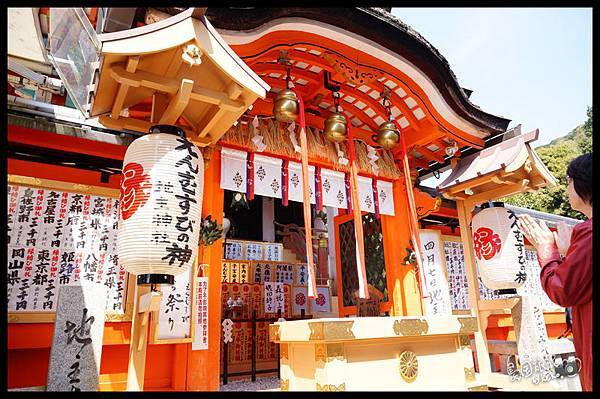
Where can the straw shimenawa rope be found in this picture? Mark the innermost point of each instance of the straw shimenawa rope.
(277, 139)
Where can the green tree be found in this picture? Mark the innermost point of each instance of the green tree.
(556, 156)
(584, 140)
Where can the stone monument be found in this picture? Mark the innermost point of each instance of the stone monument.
(77, 342)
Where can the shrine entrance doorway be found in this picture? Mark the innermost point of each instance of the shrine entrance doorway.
(347, 275)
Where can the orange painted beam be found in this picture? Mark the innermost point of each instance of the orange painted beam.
(262, 68)
(446, 212)
(280, 84)
(62, 142)
(293, 54)
(427, 153)
(420, 162)
(369, 102)
(60, 173)
(355, 112)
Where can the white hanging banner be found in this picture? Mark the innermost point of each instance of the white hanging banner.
(267, 176)
(365, 194)
(333, 188)
(432, 247)
(233, 169)
(295, 182)
(385, 196)
(267, 182)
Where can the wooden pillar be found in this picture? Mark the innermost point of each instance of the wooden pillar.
(138, 343)
(403, 289)
(145, 302)
(203, 366)
(464, 209)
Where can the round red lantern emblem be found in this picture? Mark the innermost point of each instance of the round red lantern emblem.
(300, 299)
(487, 244)
(320, 300)
(135, 187)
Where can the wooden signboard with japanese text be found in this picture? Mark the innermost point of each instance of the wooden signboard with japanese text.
(62, 233)
(434, 269)
(253, 250)
(176, 319)
(235, 271)
(200, 333)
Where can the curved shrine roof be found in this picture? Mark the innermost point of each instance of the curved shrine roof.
(381, 27)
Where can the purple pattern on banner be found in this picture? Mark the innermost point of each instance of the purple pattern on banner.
(284, 180)
(319, 193)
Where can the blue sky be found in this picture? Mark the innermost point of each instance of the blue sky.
(530, 65)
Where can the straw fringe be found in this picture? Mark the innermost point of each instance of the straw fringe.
(276, 137)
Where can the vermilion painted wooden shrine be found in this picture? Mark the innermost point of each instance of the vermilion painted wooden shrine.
(304, 134)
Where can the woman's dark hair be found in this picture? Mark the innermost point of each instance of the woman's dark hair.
(580, 171)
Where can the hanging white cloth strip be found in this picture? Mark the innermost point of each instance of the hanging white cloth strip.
(333, 188)
(292, 130)
(257, 139)
(365, 194)
(267, 176)
(233, 169)
(342, 160)
(295, 182)
(373, 157)
(385, 193)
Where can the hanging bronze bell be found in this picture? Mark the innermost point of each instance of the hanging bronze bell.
(335, 128)
(285, 106)
(387, 135)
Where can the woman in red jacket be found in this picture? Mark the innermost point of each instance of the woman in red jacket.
(566, 260)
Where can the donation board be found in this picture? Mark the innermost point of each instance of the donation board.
(59, 234)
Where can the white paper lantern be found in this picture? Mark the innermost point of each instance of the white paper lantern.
(160, 205)
(499, 247)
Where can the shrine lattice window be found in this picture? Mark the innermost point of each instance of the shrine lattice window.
(374, 257)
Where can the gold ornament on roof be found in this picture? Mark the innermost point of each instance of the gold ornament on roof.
(335, 128)
(387, 134)
(285, 105)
